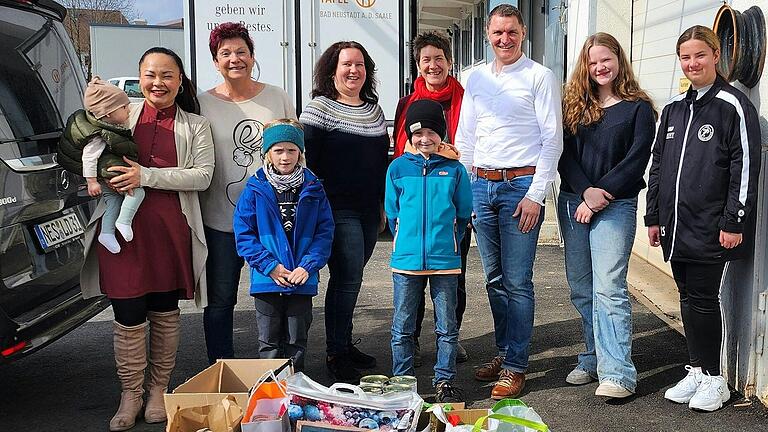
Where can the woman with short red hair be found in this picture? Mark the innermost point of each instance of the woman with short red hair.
(238, 108)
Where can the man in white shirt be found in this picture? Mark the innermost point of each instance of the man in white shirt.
(510, 138)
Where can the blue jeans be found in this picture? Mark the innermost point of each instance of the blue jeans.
(223, 277)
(596, 260)
(353, 241)
(408, 290)
(507, 255)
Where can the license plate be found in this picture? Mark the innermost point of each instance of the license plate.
(54, 233)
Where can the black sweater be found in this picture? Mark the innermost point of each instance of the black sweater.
(346, 147)
(611, 154)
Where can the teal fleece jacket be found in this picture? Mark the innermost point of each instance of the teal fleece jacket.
(428, 204)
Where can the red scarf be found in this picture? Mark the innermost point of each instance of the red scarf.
(452, 92)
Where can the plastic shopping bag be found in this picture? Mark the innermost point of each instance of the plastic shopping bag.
(347, 405)
(508, 415)
(267, 409)
(513, 415)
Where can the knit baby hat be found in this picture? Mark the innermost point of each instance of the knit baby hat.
(101, 98)
(425, 113)
(282, 132)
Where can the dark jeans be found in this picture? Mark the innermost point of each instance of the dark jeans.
(283, 322)
(699, 286)
(353, 243)
(223, 277)
(132, 312)
(461, 289)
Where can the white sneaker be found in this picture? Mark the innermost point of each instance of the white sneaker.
(684, 390)
(711, 395)
(579, 377)
(612, 390)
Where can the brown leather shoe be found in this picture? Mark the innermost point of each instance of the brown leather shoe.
(489, 371)
(510, 385)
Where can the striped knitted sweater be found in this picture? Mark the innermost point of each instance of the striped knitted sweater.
(346, 147)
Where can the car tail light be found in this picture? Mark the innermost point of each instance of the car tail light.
(14, 349)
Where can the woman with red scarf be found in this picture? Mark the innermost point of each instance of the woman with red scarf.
(432, 52)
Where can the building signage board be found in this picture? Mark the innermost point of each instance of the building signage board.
(268, 25)
(285, 57)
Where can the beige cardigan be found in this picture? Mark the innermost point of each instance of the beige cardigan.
(194, 151)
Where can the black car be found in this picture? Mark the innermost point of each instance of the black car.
(43, 209)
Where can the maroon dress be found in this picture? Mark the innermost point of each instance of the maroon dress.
(159, 258)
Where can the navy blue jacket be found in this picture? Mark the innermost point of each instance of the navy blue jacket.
(262, 241)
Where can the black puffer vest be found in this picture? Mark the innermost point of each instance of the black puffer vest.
(81, 127)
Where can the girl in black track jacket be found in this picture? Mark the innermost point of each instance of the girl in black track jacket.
(702, 185)
(703, 177)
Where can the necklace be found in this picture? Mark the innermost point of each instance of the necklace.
(249, 93)
(609, 101)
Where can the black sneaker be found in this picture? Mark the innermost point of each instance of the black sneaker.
(341, 369)
(360, 359)
(445, 392)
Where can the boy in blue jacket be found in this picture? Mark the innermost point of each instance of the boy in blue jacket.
(428, 203)
(283, 229)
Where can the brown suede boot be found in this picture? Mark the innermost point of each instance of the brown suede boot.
(163, 344)
(131, 360)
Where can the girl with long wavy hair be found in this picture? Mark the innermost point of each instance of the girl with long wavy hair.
(609, 127)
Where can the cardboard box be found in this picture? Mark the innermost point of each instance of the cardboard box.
(227, 377)
(426, 418)
(467, 416)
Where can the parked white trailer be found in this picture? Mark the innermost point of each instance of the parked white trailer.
(290, 36)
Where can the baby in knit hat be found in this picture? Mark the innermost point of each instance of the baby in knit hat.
(99, 135)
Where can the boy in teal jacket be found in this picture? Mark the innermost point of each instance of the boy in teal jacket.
(428, 203)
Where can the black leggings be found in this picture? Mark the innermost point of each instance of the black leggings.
(132, 312)
(699, 286)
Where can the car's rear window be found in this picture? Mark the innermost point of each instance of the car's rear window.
(132, 89)
(39, 87)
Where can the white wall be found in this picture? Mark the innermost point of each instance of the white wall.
(116, 50)
(656, 26)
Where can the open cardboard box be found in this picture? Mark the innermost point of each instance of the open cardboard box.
(226, 377)
(425, 418)
(467, 416)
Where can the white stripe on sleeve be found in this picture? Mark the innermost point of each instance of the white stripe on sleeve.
(731, 99)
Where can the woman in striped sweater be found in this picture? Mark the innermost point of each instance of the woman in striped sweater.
(346, 147)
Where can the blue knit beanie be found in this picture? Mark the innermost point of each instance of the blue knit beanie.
(282, 132)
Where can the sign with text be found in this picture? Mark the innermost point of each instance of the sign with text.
(376, 24)
(268, 26)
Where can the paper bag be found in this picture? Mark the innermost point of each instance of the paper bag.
(224, 416)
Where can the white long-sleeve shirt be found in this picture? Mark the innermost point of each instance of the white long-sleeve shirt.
(91, 154)
(511, 119)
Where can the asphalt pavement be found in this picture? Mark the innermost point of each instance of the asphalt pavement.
(71, 385)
